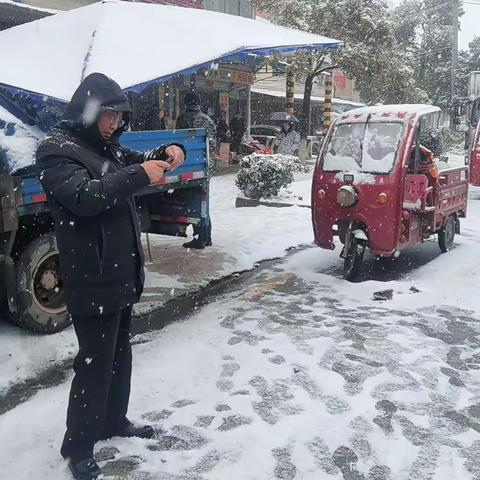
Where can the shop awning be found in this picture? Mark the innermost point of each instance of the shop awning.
(299, 96)
(135, 44)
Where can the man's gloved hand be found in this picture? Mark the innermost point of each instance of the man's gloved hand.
(173, 154)
(176, 156)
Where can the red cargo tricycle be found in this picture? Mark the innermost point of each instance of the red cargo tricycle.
(475, 158)
(376, 186)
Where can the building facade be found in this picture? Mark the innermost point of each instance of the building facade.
(233, 7)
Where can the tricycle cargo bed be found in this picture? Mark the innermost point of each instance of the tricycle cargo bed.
(192, 175)
(452, 195)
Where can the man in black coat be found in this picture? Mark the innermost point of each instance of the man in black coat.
(90, 181)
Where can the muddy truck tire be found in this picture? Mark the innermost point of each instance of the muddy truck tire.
(40, 295)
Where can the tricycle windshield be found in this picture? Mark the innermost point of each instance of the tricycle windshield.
(369, 147)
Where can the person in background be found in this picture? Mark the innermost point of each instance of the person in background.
(90, 181)
(237, 127)
(193, 117)
(288, 139)
(162, 119)
(223, 132)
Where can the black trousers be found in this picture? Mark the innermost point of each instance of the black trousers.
(101, 386)
(204, 233)
(236, 142)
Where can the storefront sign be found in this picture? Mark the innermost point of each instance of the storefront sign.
(340, 80)
(230, 75)
(224, 102)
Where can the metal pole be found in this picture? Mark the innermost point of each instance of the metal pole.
(328, 102)
(453, 75)
(249, 111)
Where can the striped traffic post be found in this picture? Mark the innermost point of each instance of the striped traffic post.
(290, 92)
(327, 105)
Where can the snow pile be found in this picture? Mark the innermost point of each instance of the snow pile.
(264, 175)
(18, 141)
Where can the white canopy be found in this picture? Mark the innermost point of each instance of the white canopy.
(133, 43)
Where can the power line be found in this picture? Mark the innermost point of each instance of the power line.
(426, 11)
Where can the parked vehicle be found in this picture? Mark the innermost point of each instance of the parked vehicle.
(375, 186)
(264, 134)
(474, 158)
(30, 280)
(467, 120)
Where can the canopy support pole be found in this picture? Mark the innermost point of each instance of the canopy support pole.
(249, 111)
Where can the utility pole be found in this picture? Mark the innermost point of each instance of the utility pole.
(453, 76)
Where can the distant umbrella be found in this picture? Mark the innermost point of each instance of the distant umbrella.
(283, 117)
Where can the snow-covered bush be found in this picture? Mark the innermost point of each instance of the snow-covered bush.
(264, 175)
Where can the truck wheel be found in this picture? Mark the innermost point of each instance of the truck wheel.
(353, 259)
(40, 295)
(446, 235)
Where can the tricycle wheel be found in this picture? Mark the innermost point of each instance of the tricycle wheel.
(40, 296)
(446, 235)
(353, 259)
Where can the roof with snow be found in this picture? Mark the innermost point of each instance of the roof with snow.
(135, 44)
(299, 96)
(401, 111)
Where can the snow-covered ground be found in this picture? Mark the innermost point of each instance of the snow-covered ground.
(297, 375)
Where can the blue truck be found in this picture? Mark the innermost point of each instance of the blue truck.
(31, 290)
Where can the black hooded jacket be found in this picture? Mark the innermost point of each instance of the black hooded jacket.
(90, 182)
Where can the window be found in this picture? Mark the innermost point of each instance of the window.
(363, 147)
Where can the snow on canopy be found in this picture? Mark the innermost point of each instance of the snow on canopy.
(18, 142)
(134, 43)
(406, 111)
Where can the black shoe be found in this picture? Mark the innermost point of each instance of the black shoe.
(208, 243)
(85, 469)
(130, 430)
(146, 431)
(195, 243)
